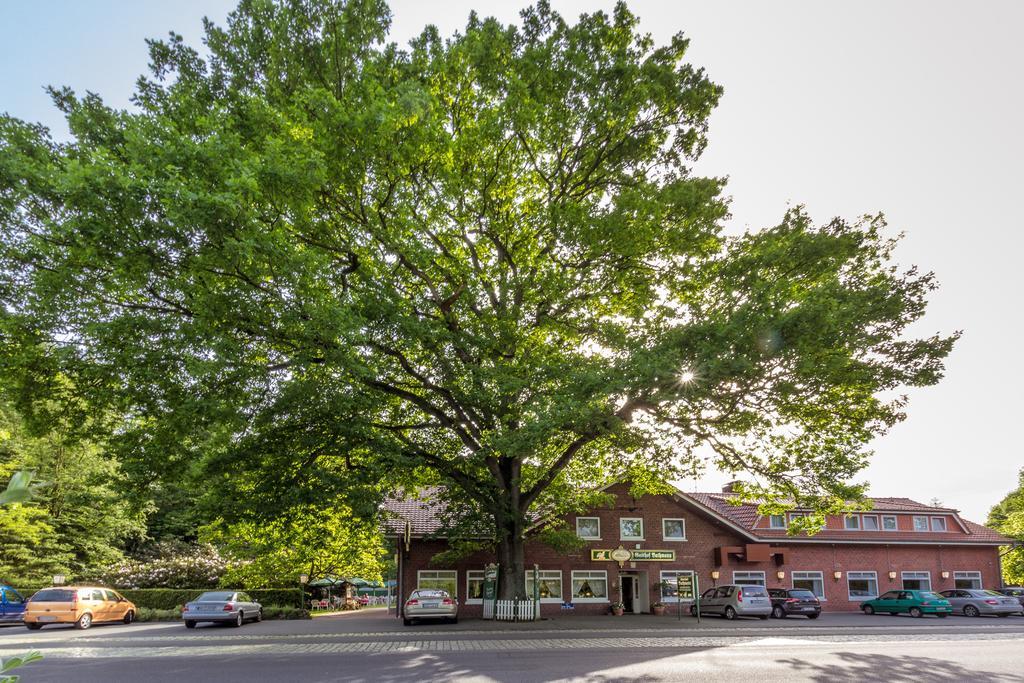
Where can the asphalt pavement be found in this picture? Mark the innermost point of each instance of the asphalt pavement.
(373, 646)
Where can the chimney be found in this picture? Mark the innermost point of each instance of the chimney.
(731, 486)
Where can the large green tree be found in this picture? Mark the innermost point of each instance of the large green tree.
(1007, 517)
(481, 262)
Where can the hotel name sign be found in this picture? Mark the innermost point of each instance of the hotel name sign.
(623, 555)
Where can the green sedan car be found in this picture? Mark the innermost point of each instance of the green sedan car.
(914, 603)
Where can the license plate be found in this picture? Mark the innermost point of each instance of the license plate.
(430, 605)
(47, 618)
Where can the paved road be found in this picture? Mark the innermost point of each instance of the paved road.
(372, 647)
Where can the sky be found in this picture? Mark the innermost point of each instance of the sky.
(912, 108)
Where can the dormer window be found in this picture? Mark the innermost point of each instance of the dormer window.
(870, 522)
(938, 523)
(851, 523)
(777, 521)
(889, 523)
(920, 523)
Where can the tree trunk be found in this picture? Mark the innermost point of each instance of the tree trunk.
(511, 557)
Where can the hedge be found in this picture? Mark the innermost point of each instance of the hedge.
(173, 598)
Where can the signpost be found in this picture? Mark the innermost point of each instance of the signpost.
(686, 588)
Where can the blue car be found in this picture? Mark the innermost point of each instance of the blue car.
(12, 606)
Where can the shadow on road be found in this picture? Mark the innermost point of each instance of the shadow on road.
(889, 669)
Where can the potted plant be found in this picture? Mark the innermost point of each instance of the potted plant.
(618, 608)
(658, 609)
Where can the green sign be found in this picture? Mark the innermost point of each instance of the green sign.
(684, 586)
(490, 587)
(619, 555)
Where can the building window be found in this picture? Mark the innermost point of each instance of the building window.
(776, 521)
(669, 586)
(851, 522)
(889, 523)
(631, 529)
(938, 523)
(589, 528)
(920, 523)
(870, 522)
(967, 580)
(862, 585)
(748, 578)
(917, 581)
(589, 586)
(812, 581)
(673, 529)
(440, 580)
(474, 587)
(549, 586)
(796, 515)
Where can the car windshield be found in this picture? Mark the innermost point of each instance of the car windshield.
(216, 596)
(753, 590)
(989, 593)
(804, 595)
(54, 595)
(429, 594)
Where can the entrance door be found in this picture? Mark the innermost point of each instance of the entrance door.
(629, 593)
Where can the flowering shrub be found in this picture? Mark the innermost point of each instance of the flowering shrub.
(190, 567)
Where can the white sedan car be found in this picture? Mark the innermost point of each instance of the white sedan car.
(230, 607)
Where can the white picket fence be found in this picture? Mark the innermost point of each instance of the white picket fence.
(512, 610)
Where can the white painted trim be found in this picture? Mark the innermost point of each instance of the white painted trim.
(673, 539)
(588, 538)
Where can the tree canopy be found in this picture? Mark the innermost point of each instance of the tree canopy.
(1007, 517)
(482, 261)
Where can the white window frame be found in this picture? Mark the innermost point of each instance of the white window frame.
(851, 518)
(967, 576)
(925, 518)
(773, 525)
(945, 527)
(916, 576)
(623, 537)
(588, 574)
(550, 577)
(473, 574)
(810, 576)
(796, 515)
(861, 576)
(737, 576)
(673, 539)
(669, 576)
(589, 538)
(865, 518)
(895, 523)
(449, 574)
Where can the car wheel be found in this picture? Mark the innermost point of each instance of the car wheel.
(778, 612)
(259, 616)
(239, 618)
(971, 611)
(693, 610)
(916, 612)
(729, 613)
(868, 609)
(813, 616)
(189, 623)
(129, 617)
(34, 627)
(84, 621)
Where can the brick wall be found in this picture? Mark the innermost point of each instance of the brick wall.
(703, 534)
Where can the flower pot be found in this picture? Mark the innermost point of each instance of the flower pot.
(617, 611)
(658, 610)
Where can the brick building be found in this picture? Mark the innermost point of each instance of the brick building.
(899, 543)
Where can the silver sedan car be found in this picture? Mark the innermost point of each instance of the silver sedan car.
(430, 603)
(974, 602)
(229, 607)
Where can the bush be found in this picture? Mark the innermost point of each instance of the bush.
(286, 612)
(147, 614)
(175, 598)
(173, 566)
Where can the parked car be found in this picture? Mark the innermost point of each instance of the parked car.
(731, 601)
(226, 607)
(974, 602)
(12, 605)
(430, 603)
(915, 603)
(82, 606)
(1014, 592)
(786, 601)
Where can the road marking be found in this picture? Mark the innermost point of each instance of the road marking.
(493, 645)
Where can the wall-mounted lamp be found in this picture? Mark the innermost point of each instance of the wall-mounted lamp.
(837, 575)
(780, 575)
(945, 575)
(892, 576)
(715, 574)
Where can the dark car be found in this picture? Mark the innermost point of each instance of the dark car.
(794, 601)
(12, 605)
(1014, 592)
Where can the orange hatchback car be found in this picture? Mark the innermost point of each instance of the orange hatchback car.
(82, 606)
